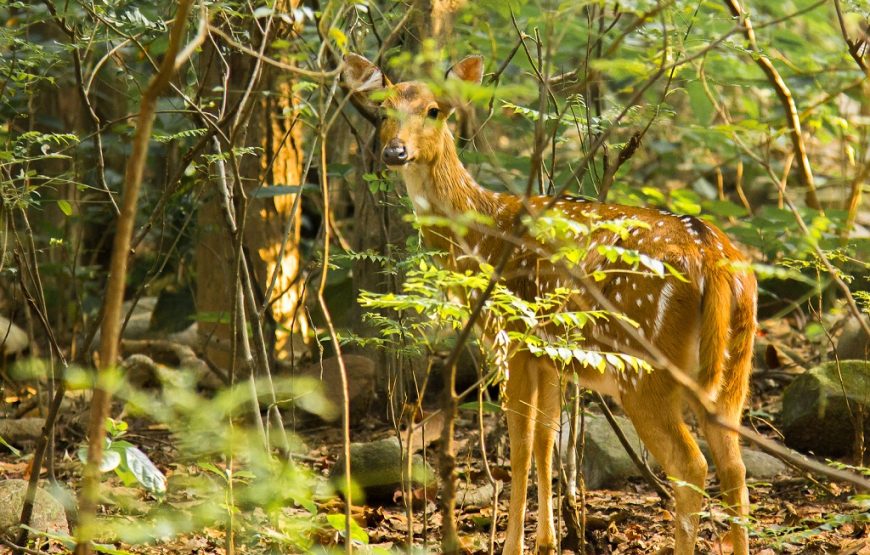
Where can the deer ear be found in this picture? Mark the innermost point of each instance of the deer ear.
(362, 76)
(468, 69)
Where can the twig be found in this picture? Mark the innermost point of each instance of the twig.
(634, 142)
(544, 94)
(342, 370)
(50, 419)
(394, 33)
(566, 80)
(494, 81)
(854, 46)
(834, 273)
(19, 549)
(787, 101)
(318, 76)
(635, 98)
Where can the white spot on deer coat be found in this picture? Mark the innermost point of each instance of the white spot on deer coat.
(662, 308)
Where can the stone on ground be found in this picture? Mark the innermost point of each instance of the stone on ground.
(48, 512)
(820, 407)
(360, 377)
(606, 465)
(379, 471)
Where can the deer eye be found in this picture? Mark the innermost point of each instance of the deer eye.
(433, 113)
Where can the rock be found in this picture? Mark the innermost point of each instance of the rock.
(606, 465)
(128, 500)
(815, 416)
(154, 361)
(173, 311)
(12, 338)
(16, 430)
(853, 343)
(759, 465)
(48, 512)
(188, 336)
(140, 321)
(761, 358)
(141, 371)
(467, 374)
(360, 381)
(378, 470)
(294, 349)
(471, 497)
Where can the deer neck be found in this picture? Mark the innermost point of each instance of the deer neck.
(443, 187)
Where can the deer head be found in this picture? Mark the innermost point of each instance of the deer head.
(412, 118)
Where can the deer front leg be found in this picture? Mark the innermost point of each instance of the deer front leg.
(546, 424)
(521, 393)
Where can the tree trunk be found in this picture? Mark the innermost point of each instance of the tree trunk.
(272, 219)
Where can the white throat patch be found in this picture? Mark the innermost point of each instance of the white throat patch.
(418, 181)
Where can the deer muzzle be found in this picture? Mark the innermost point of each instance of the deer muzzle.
(395, 154)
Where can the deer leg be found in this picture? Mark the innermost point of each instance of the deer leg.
(521, 393)
(725, 448)
(659, 423)
(546, 424)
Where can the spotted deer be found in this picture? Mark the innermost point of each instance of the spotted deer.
(703, 323)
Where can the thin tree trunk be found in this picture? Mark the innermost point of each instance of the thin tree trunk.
(271, 232)
(111, 326)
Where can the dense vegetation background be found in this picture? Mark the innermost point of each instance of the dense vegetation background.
(263, 238)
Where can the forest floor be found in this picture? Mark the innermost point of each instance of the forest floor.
(793, 514)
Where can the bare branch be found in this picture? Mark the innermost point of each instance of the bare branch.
(854, 46)
(787, 101)
(319, 76)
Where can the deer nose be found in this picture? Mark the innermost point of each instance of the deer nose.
(395, 154)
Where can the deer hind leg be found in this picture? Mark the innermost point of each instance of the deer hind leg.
(658, 418)
(521, 393)
(725, 448)
(724, 444)
(546, 427)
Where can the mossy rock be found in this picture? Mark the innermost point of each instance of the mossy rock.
(606, 465)
(816, 406)
(378, 470)
(48, 512)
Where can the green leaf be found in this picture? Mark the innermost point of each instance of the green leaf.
(213, 468)
(701, 106)
(725, 208)
(65, 207)
(144, 470)
(15, 451)
(357, 533)
(110, 461)
(487, 406)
